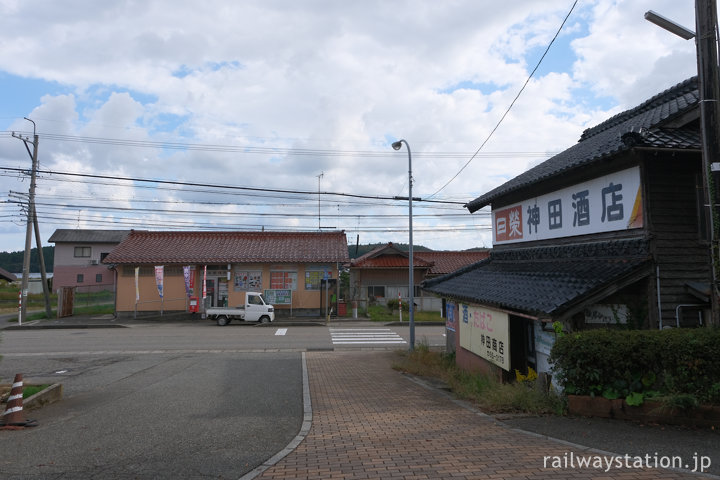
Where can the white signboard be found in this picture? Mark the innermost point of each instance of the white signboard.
(604, 204)
(486, 333)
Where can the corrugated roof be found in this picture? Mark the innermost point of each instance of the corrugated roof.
(543, 281)
(648, 125)
(142, 247)
(62, 235)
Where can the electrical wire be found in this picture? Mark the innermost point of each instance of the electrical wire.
(502, 118)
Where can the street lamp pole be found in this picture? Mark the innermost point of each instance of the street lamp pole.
(411, 283)
(709, 90)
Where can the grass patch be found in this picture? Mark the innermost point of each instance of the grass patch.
(31, 390)
(487, 393)
(380, 313)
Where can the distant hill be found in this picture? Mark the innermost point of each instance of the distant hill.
(356, 251)
(13, 261)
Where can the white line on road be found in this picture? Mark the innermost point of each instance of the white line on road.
(281, 331)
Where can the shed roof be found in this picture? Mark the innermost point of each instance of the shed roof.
(69, 235)
(449, 261)
(546, 282)
(388, 256)
(660, 122)
(142, 247)
(5, 275)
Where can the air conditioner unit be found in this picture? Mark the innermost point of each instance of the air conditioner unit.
(93, 262)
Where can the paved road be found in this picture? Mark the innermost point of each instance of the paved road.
(159, 416)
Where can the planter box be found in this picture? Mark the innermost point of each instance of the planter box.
(648, 412)
(51, 394)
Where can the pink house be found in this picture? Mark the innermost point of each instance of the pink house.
(79, 255)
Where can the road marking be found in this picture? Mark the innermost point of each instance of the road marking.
(365, 336)
(281, 331)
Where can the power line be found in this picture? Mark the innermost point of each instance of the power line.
(511, 103)
(316, 152)
(210, 185)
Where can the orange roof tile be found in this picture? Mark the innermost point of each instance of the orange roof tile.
(142, 247)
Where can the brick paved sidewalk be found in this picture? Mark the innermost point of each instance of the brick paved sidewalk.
(372, 422)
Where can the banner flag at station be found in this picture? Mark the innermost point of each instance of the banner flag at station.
(137, 285)
(186, 275)
(159, 274)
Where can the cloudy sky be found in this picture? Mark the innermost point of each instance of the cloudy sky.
(280, 114)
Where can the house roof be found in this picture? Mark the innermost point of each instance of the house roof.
(546, 281)
(388, 256)
(141, 247)
(62, 235)
(448, 261)
(660, 122)
(5, 275)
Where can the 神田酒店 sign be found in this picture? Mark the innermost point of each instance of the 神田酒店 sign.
(604, 204)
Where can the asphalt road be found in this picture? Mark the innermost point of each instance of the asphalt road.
(189, 400)
(161, 415)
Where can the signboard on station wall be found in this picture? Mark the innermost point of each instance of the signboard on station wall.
(486, 333)
(277, 296)
(604, 204)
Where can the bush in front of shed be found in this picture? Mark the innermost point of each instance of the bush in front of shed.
(639, 364)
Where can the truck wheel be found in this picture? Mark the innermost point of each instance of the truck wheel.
(222, 320)
(264, 319)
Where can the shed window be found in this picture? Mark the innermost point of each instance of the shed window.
(376, 291)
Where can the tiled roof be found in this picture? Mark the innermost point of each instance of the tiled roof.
(88, 236)
(545, 281)
(649, 125)
(142, 247)
(388, 256)
(447, 262)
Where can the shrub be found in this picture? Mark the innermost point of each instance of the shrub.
(640, 363)
(392, 305)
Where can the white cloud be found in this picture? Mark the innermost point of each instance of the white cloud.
(329, 76)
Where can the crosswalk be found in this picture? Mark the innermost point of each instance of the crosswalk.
(365, 336)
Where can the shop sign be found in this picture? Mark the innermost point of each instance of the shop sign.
(451, 316)
(278, 296)
(604, 204)
(486, 333)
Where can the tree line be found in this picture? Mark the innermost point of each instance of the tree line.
(13, 261)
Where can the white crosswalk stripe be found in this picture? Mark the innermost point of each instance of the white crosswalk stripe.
(365, 336)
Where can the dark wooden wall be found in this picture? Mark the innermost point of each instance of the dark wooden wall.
(673, 223)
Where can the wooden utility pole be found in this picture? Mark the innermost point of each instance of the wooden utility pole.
(43, 271)
(709, 89)
(32, 221)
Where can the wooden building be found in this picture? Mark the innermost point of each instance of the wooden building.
(611, 231)
(165, 271)
(382, 274)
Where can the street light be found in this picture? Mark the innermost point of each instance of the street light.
(411, 304)
(669, 25)
(709, 91)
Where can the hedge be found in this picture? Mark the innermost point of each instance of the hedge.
(633, 364)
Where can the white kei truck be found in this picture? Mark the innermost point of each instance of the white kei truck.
(254, 310)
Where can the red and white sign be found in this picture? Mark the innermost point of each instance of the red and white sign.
(604, 204)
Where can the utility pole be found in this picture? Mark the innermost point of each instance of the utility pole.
(30, 222)
(709, 89)
(43, 271)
